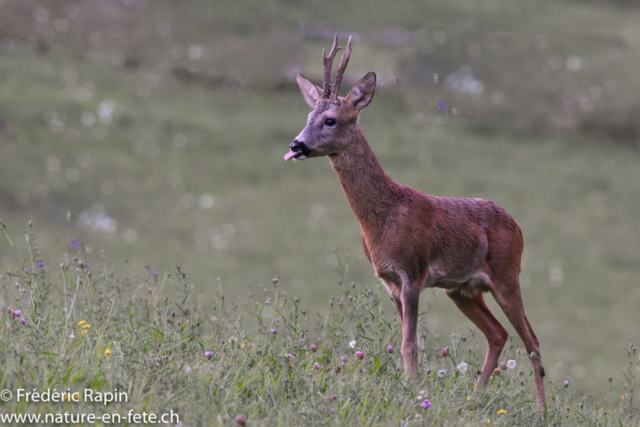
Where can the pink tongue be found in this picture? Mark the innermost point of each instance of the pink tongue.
(290, 155)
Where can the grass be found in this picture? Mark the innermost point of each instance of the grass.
(90, 325)
(189, 162)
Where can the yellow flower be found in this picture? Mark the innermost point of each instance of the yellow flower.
(501, 412)
(155, 296)
(471, 412)
(68, 396)
(82, 323)
(107, 352)
(489, 421)
(242, 345)
(622, 396)
(468, 398)
(86, 326)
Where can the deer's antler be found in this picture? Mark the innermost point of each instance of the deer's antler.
(328, 63)
(343, 64)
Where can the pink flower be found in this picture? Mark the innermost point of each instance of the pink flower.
(23, 321)
(566, 383)
(390, 349)
(344, 358)
(288, 355)
(426, 404)
(317, 365)
(274, 331)
(445, 352)
(313, 348)
(208, 354)
(359, 355)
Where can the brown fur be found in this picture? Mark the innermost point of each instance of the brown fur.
(415, 241)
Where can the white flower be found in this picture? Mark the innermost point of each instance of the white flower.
(511, 364)
(442, 372)
(352, 344)
(462, 367)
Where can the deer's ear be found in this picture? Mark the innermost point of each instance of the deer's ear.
(362, 93)
(311, 92)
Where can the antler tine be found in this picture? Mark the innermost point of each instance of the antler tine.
(343, 65)
(328, 63)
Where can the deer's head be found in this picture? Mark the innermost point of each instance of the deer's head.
(332, 116)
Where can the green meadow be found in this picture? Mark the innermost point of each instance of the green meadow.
(146, 136)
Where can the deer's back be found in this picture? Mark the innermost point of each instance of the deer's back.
(444, 241)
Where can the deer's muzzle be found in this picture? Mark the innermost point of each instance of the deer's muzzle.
(299, 151)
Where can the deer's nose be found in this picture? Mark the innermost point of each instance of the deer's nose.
(296, 145)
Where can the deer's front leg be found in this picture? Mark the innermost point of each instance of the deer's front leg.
(410, 301)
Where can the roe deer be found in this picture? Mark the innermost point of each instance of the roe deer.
(414, 240)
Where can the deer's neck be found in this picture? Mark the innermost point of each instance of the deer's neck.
(369, 190)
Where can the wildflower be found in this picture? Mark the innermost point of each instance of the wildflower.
(511, 364)
(75, 245)
(107, 352)
(333, 410)
(343, 358)
(80, 262)
(86, 326)
(240, 420)
(154, 273)
(445, 352)
(188, 369)
(62, 265)
(390, 349)
(82, 322)
(208, 354)
(426, 404)
(359, 355)
(16, 313)
(317, 365)
(8, 326)
(462, 367)
(468, 398)
(566, 383)
(288, 355)
(489, 421)
(72, 336)
(352, 344)
(313, 348)
(501, 412)
(274, 331)
(334, 397)
(497, 371)
(442, 372)
(23, 321)
(41, 264)
(502, 365)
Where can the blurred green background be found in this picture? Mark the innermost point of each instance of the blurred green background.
(161, 127)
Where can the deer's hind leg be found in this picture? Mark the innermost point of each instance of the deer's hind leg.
(506, 291)
(477, 311)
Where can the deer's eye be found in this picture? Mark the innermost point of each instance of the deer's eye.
(330, 122)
